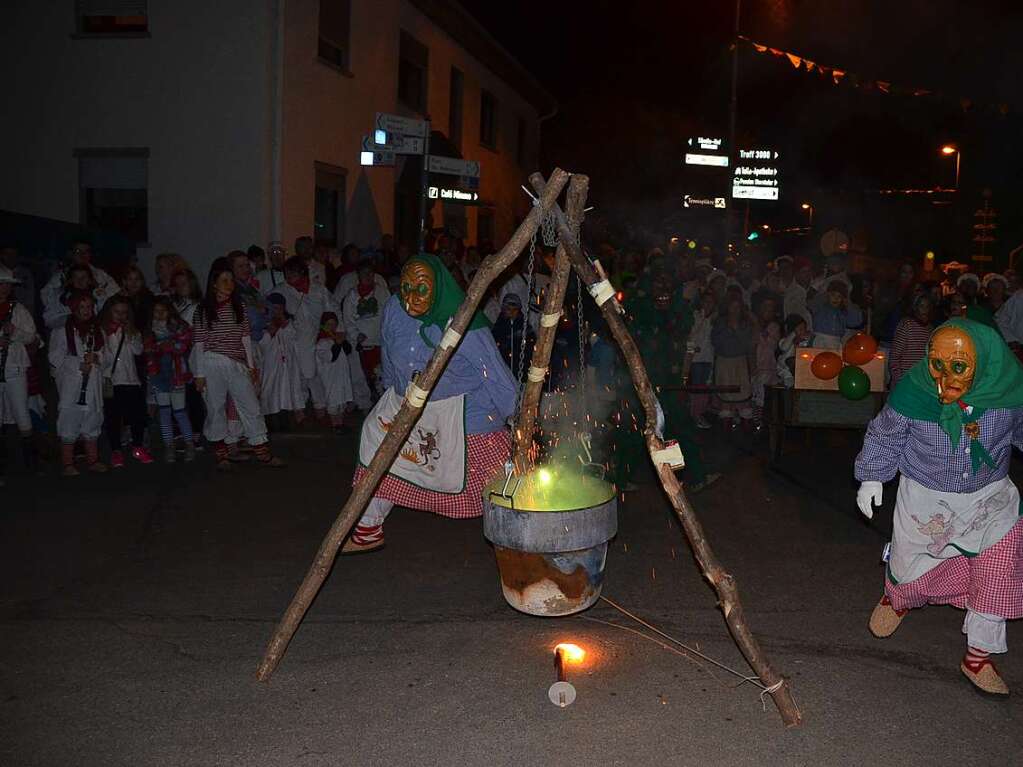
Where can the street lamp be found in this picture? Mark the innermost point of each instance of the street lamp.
(808, 207)
(948, 150)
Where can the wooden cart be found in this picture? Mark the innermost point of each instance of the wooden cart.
(809, 408)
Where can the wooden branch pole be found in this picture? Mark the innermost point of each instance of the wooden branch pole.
(401, 426)
(553, 304)
(723, 582)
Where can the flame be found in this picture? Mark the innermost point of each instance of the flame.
(571, 652)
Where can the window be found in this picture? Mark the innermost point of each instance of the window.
(455, 108)
(488, 120)
(113, 191)
(329, 205)
(332, 48)
(521, 143)
(484, 226)
(128, 18)
(412, 68)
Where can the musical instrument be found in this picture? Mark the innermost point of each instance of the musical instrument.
(89, 346)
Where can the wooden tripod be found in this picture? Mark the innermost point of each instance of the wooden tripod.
(569, 256)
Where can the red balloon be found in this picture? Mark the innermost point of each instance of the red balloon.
(860, 349)
(826, 365)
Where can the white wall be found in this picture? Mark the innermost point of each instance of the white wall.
(196, 93)
(327, 112)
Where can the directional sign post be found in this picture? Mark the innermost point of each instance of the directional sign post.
(454, 167)
(402, 126)
(756, 175)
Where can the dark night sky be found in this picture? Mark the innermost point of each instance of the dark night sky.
(635, 79)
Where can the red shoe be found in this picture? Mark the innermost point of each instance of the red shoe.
(141, 455)
(117, 460)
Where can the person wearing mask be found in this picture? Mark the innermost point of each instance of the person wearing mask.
(362, 313)
(307, 302)
(57, 289)
(272, 276)
(17, 331)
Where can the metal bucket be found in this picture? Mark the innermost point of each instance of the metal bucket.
(551, 562)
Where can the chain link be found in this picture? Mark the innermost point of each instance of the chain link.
(525, 310)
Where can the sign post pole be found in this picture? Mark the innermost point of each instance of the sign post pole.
(424, 184)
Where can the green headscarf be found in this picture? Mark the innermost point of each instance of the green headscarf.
(998, 383)
(447, 297)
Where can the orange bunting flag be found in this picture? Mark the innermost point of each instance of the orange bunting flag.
(921, 92)
(837, 75)
(759, 48)
(794, 60)
(884, 87)
(809, 65)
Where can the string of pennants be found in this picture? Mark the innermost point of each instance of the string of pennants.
(842, 76)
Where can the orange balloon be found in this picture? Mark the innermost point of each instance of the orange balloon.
(860, 349)
(826, 365)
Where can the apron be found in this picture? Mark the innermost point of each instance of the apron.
(931, 526)
(435, 455)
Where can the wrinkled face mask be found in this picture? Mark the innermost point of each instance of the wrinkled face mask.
(952, 363)
(417, 286)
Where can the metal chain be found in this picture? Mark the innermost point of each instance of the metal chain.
(582, 338)
(525, 310)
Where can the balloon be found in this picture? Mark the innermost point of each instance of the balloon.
(853, 383)
(860, 349)
(826, 365)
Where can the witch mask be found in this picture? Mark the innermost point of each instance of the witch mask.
(952, 363)
(417, 288)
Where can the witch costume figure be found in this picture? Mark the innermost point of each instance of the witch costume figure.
(460, 442)
(949, 428)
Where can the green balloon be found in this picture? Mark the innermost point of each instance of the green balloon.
(853, 382)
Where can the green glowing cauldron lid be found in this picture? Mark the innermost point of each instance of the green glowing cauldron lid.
(551, 489)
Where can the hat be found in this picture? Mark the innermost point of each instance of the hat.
(783, 260)
(276, 298)
(7, 276)
(512, 299)
(968, 277)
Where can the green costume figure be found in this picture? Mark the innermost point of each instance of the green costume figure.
(660, 322)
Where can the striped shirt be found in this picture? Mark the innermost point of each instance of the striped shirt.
(923, 452)
(908, 347)
(226, 334)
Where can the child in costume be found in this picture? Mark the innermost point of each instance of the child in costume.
(223, 363)
(332, 368)
(17, 331)
(167, 346)
(363, 311)
(949, 428)
(123, 397)
(76, 359)
(282, 378)
(460, 441)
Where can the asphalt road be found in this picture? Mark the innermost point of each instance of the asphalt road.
(136, 606)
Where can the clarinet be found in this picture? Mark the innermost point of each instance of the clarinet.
(85, 376)
(6, 337)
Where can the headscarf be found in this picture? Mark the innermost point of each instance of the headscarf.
(997, 383)
(447, 298)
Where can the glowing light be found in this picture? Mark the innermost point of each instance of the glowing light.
(571, 652)
(806, 206)
(948, 149)
(544, 476)
(674, 240)
(805, 355)
(691, 244)
(929, 255)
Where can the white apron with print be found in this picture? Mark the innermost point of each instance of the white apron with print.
(931, 526)
(434, 457)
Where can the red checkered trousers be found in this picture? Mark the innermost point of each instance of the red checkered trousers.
(486, 456)
(991, 582)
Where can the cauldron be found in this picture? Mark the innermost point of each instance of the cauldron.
(550, 530)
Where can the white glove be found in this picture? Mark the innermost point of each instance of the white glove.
(869, 493)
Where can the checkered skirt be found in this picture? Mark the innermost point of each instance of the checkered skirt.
(991, 582)
(487, 454)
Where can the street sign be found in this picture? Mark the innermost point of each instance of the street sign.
(756, 175)
(404, 126)
(709, 151)
(703, 202)
(392, 143)
(453, 194)
(454, 167)
(376, 158)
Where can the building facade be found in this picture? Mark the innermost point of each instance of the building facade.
(198, 127)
